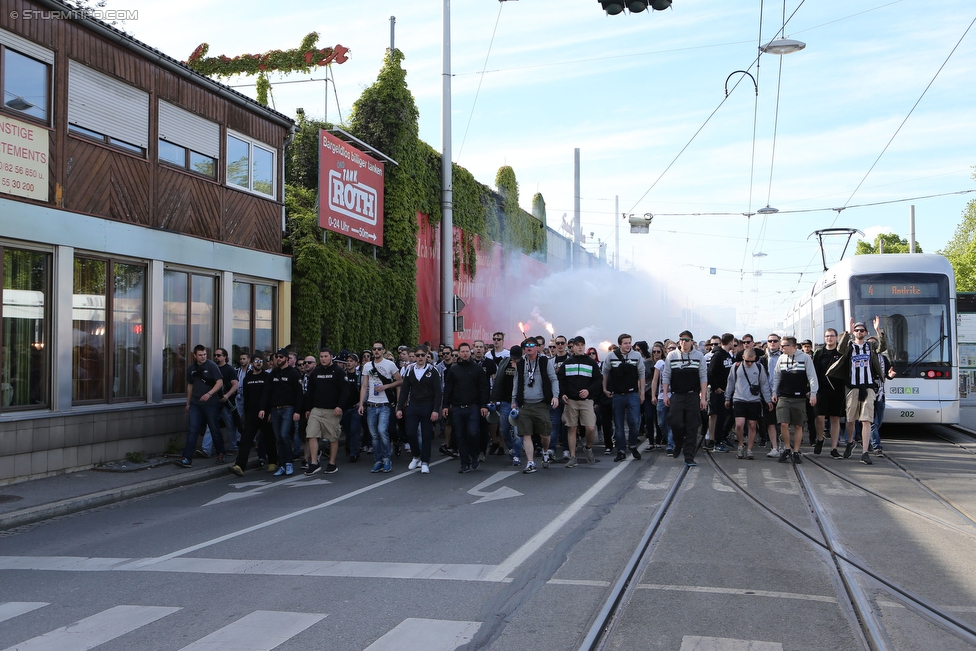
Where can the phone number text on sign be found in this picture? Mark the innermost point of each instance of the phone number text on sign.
(23, 159)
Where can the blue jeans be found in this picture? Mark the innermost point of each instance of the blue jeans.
(353, 427)
(378, 420)
(879, 409)
(283, 426)
(626, 404)
(512, 440)
(662, 423)
(467, 431)
(203, 414)
(226, 418)
(558, 435)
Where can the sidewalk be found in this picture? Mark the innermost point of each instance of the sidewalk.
(41, 499)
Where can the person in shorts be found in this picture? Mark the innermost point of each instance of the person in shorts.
(322, 405)
(794, 382)
(580, 379)
(746, 391)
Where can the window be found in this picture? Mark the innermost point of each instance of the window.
(185, 294)
(26, 84)
(107, 110)
(250, 165)
(24, 329)
(107, 308)
(187, 159)
(188, 140)
(254, 318)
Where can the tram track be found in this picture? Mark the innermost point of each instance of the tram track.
(872, 632)
(599, 634)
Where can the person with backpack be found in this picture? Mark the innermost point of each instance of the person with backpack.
(746, 391)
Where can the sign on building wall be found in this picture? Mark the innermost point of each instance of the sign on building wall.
(24, 152)
(350, 190)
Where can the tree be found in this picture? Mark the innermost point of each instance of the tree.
(961, 250)
(892, 244)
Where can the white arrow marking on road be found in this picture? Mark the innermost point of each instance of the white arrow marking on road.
(499, 494)
(310, 482)
(230, 497)
(246, 484)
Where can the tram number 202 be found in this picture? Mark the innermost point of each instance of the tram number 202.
(906, 414)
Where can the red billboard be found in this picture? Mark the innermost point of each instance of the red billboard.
(350, 190)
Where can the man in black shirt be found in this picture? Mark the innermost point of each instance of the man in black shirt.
(281, 399)
(203, 382)
(325, 393)
(718, 377)
(418, 405)
(252, 394)
(466, 394)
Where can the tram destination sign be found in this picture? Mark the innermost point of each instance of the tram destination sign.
(350, 190)
(898, 290)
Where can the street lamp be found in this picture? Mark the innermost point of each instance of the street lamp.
(783, 46)
(614, 7)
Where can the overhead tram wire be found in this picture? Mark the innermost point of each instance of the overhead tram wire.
(481, 79)
(912, 110)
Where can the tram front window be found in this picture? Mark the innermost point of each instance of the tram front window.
(917, 328)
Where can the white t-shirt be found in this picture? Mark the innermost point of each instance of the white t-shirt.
(376, 394)
(659, 365)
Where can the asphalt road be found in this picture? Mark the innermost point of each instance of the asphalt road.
(499, 559)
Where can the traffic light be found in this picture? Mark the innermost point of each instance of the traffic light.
(614, 7)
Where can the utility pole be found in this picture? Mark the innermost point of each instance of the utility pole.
(447, 191)
(616, 232)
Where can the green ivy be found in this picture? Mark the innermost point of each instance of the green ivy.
(341, 296)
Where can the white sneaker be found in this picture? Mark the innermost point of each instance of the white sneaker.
(414, 463)
(424, 469)
(773, 453)
(566, 455)
(406, 448)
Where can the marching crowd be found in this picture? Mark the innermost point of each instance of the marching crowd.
(553, 400)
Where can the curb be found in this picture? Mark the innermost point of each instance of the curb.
(84, 502)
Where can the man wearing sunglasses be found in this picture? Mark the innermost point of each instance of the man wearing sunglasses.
(794, 380)
(685, 378)
(377, 397)
(281, 399)
(860, 370)
(536, 390)
(746, 392)
(623, 382)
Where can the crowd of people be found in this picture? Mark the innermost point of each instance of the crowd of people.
(553, 400)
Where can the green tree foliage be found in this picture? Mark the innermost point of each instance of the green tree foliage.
(342, 296)
(961, 250)
(892, 244)
(520, 231)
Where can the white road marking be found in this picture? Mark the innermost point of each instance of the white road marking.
(697, 643)
(294, 514)
(839, 487)
(737, 591)
(595, 584)
(261, 630)
(646, 483)
(520, 555)
(498, 494)
(12, 609)
(259, 488)
(426, 635)
(741, 478)
(97, 629)
(775, 484)
(354, 569)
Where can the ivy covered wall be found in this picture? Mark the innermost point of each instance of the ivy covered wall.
(341, 296)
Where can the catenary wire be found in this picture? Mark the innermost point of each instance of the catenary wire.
(481, 79)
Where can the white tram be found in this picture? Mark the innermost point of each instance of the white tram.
(915, 296)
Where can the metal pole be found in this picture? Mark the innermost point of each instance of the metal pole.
(447, 195)
(392, 23)
(616, 232)
(576, 207)
(911, 230)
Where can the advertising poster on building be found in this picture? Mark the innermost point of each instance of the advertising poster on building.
(23, 159)
(350, 190)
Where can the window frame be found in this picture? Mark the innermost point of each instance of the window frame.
(109, 336)
(84, 133)
(48, 85)
(187, 157)
(253, 285)
(252, 143)
(188, 325)
(46, 333)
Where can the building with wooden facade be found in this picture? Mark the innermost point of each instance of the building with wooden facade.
(141, 213)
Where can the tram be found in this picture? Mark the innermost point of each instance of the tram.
(915, 297)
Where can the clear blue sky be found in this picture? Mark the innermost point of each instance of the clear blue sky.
(631, 91)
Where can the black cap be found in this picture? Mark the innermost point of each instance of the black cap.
(515, 352)
(282, 351)
(859, 323)
(805, 342)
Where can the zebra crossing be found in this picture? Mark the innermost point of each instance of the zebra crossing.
(261, 630)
